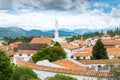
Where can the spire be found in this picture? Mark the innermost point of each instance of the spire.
(56, 31)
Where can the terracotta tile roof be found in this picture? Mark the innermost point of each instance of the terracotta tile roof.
(26, 52)
(88, 62)
(88, 49)
(81, 42)
(110, 42)
(116, 37)
(41, 40)
(10, 53)
(84, 54)
(71, 47)
(113, 51)
(4, 47)
(63, 43)
(106, 35)
(72, 71)
(88, 52)
(68, 64)
(15, 44)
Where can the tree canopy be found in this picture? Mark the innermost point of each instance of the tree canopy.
(112, 33)
(61, 77)
(23, 39)
(6, 69)
(51, 53)
(23, 73)
(56, 44)
(99, 51)
(115, 70)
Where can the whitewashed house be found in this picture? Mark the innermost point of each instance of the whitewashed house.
(113, 53)
(80, 43)
(70, 49)
(116, 37)
(25, 55)
(98, 65)
(83, 54)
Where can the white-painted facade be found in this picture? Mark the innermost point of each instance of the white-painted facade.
(107, 37)
(70, 52)
(24, 57)
(89, 57)
(83, 57)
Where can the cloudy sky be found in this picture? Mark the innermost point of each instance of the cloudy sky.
(72, 14)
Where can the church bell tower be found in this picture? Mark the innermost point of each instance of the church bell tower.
(56, 31)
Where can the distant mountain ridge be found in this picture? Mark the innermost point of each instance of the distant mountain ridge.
(18, 32)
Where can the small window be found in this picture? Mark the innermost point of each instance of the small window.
(20, 54)
(118, 57)
(72, 56)
(83, 57)
(99, 66)
(92, 66)
(28, 54)
(11, 56)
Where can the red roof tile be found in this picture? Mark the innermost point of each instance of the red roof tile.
(87, 62)
(110, 42)
(68, 64)
(81, 42)
(41, 40)
(26, 52)
(71, 47)
(10, 53)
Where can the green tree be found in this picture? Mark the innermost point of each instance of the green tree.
(77, 57)
(61, 77)
(99, 51)
(50, 53)
(56, 44)
(34, 79)
(6, 69)
(115, 70)
(23, 73)
(24, 39)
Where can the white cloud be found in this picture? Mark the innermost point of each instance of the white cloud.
(35, 20)
(101, 4)
(31, 19)
(115, 11)
(5, 4)
(80, 5)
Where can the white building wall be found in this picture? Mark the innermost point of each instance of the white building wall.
(106, 37)
(25, 57)
(69, 52)
(111, 56)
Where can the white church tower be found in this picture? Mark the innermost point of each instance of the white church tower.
(56, 32)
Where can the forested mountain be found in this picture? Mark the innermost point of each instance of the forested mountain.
(14, 32)
(18, 32)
